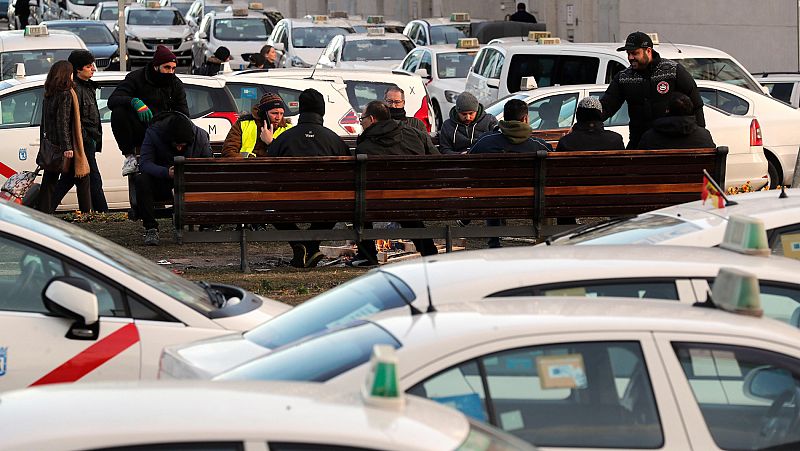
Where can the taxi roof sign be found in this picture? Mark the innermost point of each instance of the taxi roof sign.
(375, 19)
(319, 18)
(459, 17)
(239, 12)
(382, 385)
(528, 83)
(338, 14)
(152, 4)
(35, 30)
(376, 31)
(653, 37)
(745, 235)
(549, 41)
(535, 35)
(737, 291)
(255, 6)
(468, 43)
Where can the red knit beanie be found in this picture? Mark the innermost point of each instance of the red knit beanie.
(163, 55)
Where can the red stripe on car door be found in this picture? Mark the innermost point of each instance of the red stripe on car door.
(6, 171)
(92, 357)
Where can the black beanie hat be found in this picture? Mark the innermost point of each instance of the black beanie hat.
(80, 59)
(222, 53)
(181, 128)
(311, 101)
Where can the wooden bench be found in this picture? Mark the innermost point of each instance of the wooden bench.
(362, 189)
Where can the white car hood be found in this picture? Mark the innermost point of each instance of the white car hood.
(310, 56)
(246, 321)
(370, 65)
(151, 32)
(205, 359)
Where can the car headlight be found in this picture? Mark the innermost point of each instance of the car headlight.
(115, 59)
(295, 61)
(131, 37)
(451, 96)
(188, 38)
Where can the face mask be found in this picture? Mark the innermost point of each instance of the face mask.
(162, 78)
(397, 113)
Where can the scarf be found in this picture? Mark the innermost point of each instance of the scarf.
(81, 162)
(517, 132)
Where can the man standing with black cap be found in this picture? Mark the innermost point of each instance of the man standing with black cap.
(213, 65)
(83, 70)
(143, 94)
(646, 85)
(307, 139)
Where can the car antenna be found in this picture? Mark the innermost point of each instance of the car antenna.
(311, 77)
(676, 47)
(431, 308)
(783, 193)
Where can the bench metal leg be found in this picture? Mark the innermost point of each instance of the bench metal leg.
(448, 239)
(244, 265)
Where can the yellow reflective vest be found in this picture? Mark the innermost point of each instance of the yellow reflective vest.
(250, 135)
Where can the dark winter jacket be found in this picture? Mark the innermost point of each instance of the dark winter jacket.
(399, 114)
(648, 92)
(158, 96)
(90, 115)
(212, 66)
(57, 129)
(676, 132)
(590, 135)
(307, 139)
(522, 16)
(390, 137)
(158, 153)
(510, 137)
(457, 137)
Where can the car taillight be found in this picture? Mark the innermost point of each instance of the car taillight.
(422, 114)
(755, 133)
(231, 116)
(349, 121)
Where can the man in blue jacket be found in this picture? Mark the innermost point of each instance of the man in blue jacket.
(172, 134)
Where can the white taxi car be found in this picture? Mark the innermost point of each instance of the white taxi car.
(299, 42)
(375, 49)
(36, 48)
(360, 25)
(242, 31)
(199, 9)
(670, 272)
(147, 27)
(106, 12)
(252, 416)
(439, 31)
(76, 307)
(210, 108)
(778, 122)
(698, 224)
(564, 373)
(554, 108)
(784, 86)
(500, 66)
(445, 68)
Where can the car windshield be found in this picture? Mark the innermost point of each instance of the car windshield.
(317, 359)
(90, 34)
(448, 34)
(315, 37)
(249, 29)
(376, 49)
(371, 293)
(109, 13)
(496, 108)
(719, 69)
(387, 28)
(85, 2)
(642, 229)
(109, 253)
(182, 7)
(454, 64)
(159, 17)
(36, 61)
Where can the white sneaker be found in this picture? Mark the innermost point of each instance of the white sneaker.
(130, 166)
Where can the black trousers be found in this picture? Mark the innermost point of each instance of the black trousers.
(23, 19)
(425, 246)
(67, 181)
(311, 246)
(128, 129)
(47, 201)
(148, 190)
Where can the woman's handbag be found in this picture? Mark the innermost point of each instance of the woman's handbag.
(18, 184)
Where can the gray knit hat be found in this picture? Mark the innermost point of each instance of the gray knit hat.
(590, 103)
(589, 109)
(466, 102)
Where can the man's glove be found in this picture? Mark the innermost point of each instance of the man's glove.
(145, 115)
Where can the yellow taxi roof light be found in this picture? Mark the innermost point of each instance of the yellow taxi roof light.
(35, 30)
(376, 31)
(535, 35)
(549, 41)
(653, 37)
(467, 43)
(255, 6)
(745, 235)
(382, 385)
(459, 17)
(737, 291)
(338, 14)
(152, 5)
(239, 12)
(375, 19)
(319, 18)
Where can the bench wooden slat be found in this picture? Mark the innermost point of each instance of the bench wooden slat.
(251, 196)
(622, 189)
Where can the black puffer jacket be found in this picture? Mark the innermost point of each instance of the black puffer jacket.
(390, 137)
(211, 67)
(457, 137)
(158, 153)
(90, 115)
(307, 139)
(676, 132)
(57, 129)
(648, 92)
(590, 135)
(143, 83)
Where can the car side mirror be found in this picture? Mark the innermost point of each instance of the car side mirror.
(767, 382)
(279, 47)
(493, 83)
(202, 35)
(72, 297)
(423, 73)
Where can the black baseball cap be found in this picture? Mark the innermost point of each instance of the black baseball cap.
(637, 40)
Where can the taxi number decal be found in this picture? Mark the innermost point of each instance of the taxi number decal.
(92, 357)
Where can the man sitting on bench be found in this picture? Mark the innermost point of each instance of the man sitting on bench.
(172, 134)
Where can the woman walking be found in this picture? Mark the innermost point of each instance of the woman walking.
(61, 149)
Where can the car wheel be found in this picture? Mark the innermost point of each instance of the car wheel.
(438, 112)
(774, 174)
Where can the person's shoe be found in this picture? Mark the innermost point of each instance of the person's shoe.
(299, 258)
(151, 237)
(130, 166)
(312, 260)
(361, 263)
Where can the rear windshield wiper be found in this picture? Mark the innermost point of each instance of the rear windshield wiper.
(584, 229)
